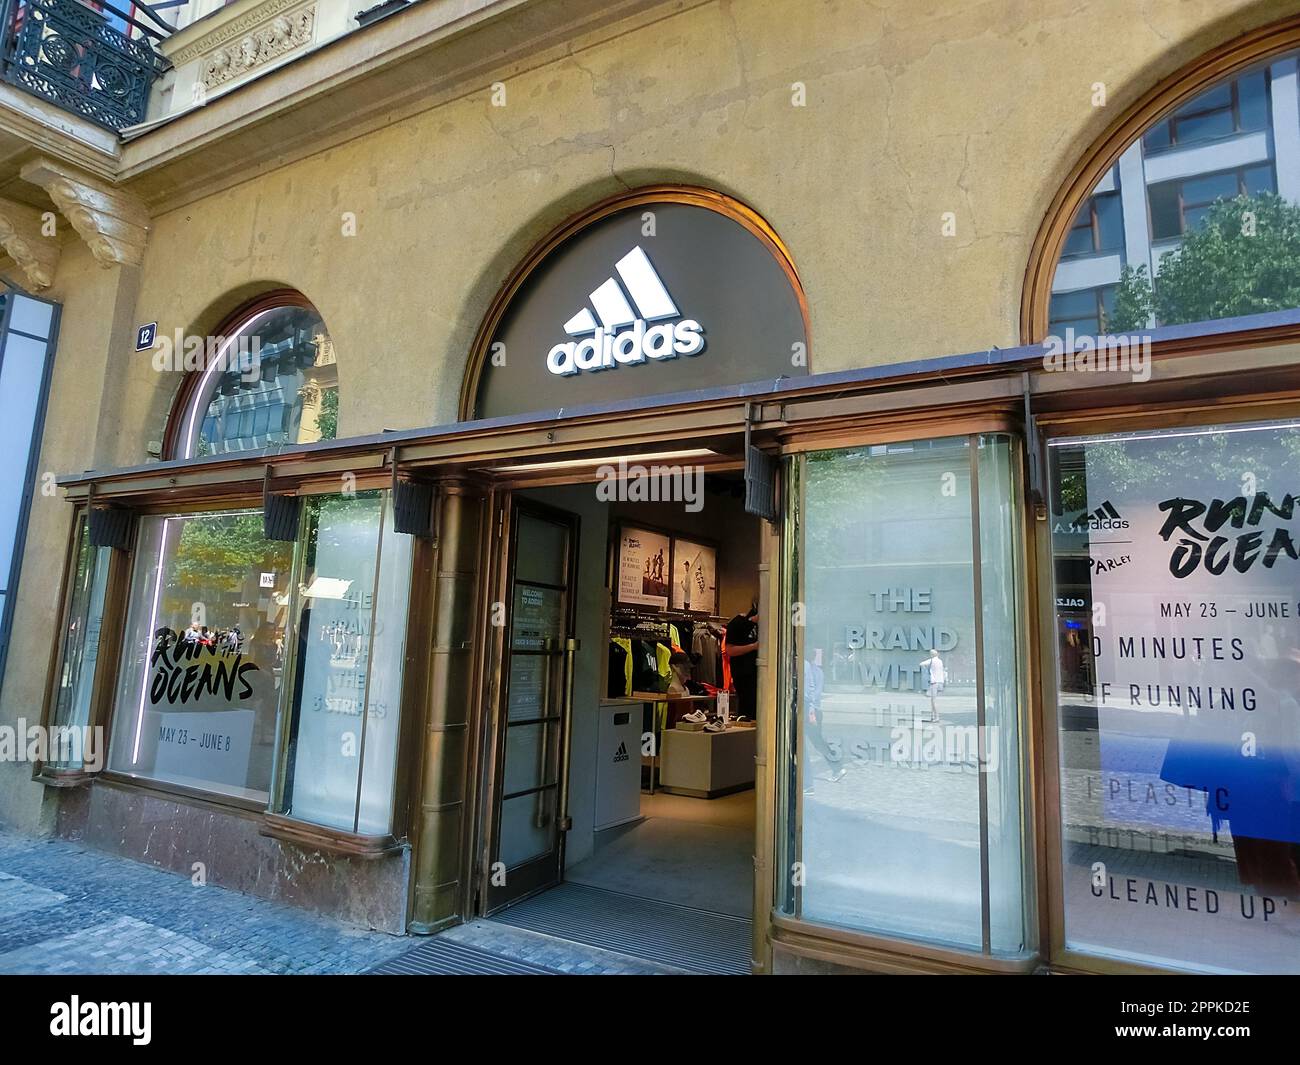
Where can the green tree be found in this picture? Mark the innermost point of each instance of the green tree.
(327, 419)
(1243, 258)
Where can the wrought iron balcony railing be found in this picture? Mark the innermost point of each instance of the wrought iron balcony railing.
(90, 59)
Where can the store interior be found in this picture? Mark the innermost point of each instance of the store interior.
(661, 763)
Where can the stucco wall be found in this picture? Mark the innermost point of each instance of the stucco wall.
(912, 110)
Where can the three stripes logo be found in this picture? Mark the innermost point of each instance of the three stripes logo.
(609, 342)
(621, 754)
(1104, 517)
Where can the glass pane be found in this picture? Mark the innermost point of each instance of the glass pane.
(530, 756)
(1078, 241)
(1259, 179)
(1110, 222)
(1205, 127)
(1252, 101)
(283, 350)
(76, 676)
(1000, 593)
(334, 627)
(544, 559)
(1166, 221)
(1157, 137)
(1220, 96)
(538, 619)
(1210, 188)
(530, 678)
(31, 316)
(1176, 587)
(203, 655)
(891, 832)
(22, 371)
(527, 827)
(1074, 304)
(384, 700)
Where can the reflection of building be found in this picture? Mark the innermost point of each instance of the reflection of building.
(1240, 137)
(281, 405)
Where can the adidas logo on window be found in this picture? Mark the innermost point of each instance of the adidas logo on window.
(607, 347)
(1104, 517)
(621, 754)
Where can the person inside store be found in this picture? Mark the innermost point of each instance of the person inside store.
(742, 650)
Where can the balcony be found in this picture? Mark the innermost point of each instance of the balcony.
(94, 61)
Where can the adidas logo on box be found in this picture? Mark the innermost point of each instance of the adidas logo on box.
(607, 347)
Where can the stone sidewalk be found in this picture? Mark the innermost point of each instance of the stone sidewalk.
(67, 909)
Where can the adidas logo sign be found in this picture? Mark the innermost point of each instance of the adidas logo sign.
(1104, 517)
(621, 754)
(607, 347)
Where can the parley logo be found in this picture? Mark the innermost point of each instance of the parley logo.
(611, 345)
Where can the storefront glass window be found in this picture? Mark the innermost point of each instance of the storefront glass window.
(350, 628)
(238, 647)
(84, 613)
(274, 381)
(905, 768)
(204, 654)
(1177, 572)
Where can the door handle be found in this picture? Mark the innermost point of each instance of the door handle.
(571, 646)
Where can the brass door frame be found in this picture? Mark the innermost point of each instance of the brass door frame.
(506, 507)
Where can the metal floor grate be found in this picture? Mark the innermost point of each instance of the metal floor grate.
(695, 941)
(442, 957)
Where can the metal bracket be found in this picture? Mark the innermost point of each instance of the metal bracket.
(1033, 455)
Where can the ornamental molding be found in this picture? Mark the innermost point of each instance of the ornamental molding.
(22, 235)
(282, 34)
(236, 27)
(114, 224)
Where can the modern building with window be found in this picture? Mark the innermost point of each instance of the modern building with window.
(654, 465)
(1239, 138)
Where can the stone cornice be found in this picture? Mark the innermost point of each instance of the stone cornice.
(22, 236)
(367, 79)
(112, 222)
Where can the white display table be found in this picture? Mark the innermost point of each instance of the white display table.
(707, 764)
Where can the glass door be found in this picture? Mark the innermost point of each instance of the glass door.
(530, 815)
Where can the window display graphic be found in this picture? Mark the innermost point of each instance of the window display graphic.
(1182, 809)
(695, 576)
(203, 655)
(644, 562)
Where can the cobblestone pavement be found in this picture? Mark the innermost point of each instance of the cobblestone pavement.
(67, 909)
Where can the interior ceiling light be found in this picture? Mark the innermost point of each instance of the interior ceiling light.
(607, 460)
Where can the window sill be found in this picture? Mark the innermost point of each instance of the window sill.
(881, 954)
(330, 840)
(62, 778)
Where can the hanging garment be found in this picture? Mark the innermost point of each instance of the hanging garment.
(645, 666)
(620, 667)
(704, 646)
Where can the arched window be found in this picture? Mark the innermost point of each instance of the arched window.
(1188, 210)
(269, 378)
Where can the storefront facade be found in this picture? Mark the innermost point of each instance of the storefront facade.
(282, 578)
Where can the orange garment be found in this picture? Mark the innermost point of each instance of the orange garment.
(726, 664)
